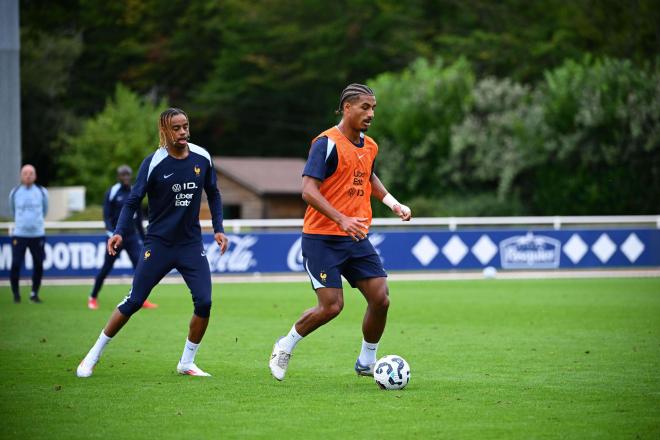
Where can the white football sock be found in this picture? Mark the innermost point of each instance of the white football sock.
(95, 352)
(189, 352)
(368, 353)
(288, 343)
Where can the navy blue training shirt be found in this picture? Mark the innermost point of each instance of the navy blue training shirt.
(174, 189)
(114, 200)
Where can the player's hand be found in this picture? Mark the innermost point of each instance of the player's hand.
(354, 226)
(114, 243)
(402, 211)
(222, 241)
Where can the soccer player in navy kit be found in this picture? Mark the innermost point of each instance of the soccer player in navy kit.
(132, 242)
(173, 178)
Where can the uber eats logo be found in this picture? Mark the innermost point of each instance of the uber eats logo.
(183, 198)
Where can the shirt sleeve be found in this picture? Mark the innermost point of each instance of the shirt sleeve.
(44, 200)
(12, 208)
(321, 163)
(134, 200)
(214, 199)
(107, 212)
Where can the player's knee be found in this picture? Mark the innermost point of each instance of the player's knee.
(203, 308)
(331, 311)
(129, 306)
(382, 300)
(384, 303)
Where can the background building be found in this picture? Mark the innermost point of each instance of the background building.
(256, 187)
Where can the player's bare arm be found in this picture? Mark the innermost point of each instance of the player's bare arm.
(311, 194)
(379, 191)
(377, 188)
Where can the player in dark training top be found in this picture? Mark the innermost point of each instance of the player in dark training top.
(173, 179)
(132, 242)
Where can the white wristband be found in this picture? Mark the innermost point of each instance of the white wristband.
(390, 201)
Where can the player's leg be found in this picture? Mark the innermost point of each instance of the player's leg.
(18, 246)
(365, 271)
(36, 246)
(157, 262)
(194, 268)
(376, 293)
(330, 304)
(108, 263)
(133, 248)
(322, 260)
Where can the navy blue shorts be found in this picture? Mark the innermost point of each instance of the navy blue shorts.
(327, 259)
(156, 261)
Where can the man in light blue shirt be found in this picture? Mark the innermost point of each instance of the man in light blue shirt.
(28, 203)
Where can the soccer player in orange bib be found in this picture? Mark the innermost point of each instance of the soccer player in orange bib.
(338, 182)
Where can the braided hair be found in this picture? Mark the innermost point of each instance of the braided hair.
(164, 124)
(350, 93)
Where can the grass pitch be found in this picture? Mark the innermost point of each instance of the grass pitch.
(490, 359)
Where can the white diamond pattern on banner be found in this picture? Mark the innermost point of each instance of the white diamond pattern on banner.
(425, 250)
(455, 250)
(484, 249)
(632, 247)
(604, 248)
(575, 248)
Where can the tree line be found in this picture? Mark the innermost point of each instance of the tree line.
(498, 107)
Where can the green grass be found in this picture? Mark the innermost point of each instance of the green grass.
(490, 359)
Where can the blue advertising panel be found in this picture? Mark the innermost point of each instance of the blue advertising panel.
(82, 255)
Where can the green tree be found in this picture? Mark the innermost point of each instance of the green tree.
(503, 135)
(584, 140)
(416, 111)
(277, 78)
(123, 133)
(47, 61)
(522, 39)
(605, 150)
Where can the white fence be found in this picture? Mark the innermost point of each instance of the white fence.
(451, 223)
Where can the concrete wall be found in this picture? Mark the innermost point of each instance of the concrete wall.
(286, 206)
(10, 104)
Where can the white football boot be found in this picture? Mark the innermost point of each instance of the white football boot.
(85, 368)
(279, 361)
(191, 370)
(364, 370)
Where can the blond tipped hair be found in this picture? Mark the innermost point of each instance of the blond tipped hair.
(164, 121)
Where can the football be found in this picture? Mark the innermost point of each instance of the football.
(391, 372)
